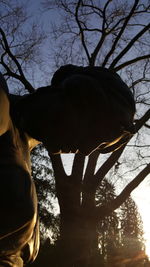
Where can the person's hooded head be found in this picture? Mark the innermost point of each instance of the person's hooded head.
(85, 108)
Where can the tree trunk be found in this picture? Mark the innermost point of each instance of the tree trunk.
(78, 237)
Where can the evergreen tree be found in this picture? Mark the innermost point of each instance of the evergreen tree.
(108, 233)
(131, 233)
(44, 180)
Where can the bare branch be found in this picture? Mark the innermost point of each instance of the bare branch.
(81, 30)
(20, 77)
(78, 165)
(57, 166)
(147, 125)
(95, 9)
(139, 81)
(88, 181)
(132, 61)
(106, 210)
(91, 165)
(9, 72)
(107, 165)
(120, 33)
(142, 120)
(97, 49)
(103, 36)
(130, 44)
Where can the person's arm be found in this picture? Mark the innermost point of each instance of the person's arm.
(4, 106)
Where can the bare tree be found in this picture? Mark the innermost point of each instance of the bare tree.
(105, 31)
(112, 34)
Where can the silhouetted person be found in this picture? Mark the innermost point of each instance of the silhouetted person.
(19, 233)
(83, 109)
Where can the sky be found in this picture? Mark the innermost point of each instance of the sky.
(141, 194)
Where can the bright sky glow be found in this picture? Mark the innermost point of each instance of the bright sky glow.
(142, 197)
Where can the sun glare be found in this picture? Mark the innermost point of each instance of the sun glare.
(142, 198)
(146, 220)
(147, 244)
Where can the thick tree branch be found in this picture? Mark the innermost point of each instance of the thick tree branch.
(57, 166)
(107, 165)
(129, 46)
(88, 181)
(102, 38)
(10, 73)
(78, 166)
(97, 49)
(81, 30)
(139, 81)
(91, 165)
(129, 62)
(106, 210)
(147, 125)
(103, 211)
(67, 187)
(142, 121)
(120, 33)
